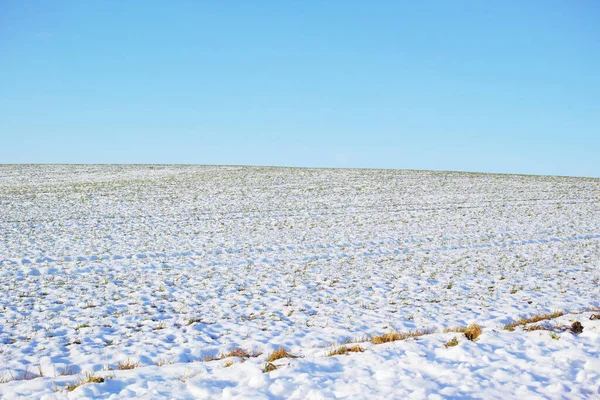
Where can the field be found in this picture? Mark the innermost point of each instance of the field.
(181, 281)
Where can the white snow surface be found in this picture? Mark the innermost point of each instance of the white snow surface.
(164, 266)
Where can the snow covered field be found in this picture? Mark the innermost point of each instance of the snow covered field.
(168, 268)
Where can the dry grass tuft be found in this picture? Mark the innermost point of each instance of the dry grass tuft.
(531, 320)
(269, 367)
(355, 349)
(338, 352)
(91, 378)
(358, 339)
(186, 375)
(473, 331)
(161, 325)
(162, 362)
(85, 379)
(25, 376)
(538, 327)
(394, 336)
(73, 386)
(192, 321)
(239, 352)
(345, 350)
(386, 337)
(124, 365)
(280, 353)
(68, 370)
(28, 375)
(576, 328)
(458, 329)
(452, 342)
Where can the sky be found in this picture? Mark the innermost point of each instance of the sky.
(489, 86)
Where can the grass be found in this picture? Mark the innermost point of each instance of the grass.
(269, 367)
(576, 328)
(458, 329)
(68, 370)
(472, 332)
(531, 320)
(538, 327)
(78, 327)
(25, 376)
(394, 336)
(85, 379)
(452, 342)
(544, 317)
(162, 362)
(161, 325)
(186, 375)
(279, 354)
(125, 365)
(346, 350)
(239, 352)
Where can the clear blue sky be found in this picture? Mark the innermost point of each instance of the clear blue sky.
(494, 86)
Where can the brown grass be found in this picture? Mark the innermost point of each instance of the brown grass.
(538, 327)
(531, 320)
(280, 353)
(162, 362)
(394, 336)
(186, 375)
(458, 329)
(345, 350)
(85, 379)
(358, 339)
(68, 370)
(473, 331)
(452, 342)
(73, 386)
(25, 376)
(28, 375)
(355, 349)
(269, 367)
(239, 352)
(193, 321)
(576, 328)
(124, 365)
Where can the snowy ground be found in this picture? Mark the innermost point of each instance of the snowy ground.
(169, 265)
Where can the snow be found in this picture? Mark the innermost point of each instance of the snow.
(168, 265)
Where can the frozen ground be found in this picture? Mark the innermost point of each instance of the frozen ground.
(171, 265)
